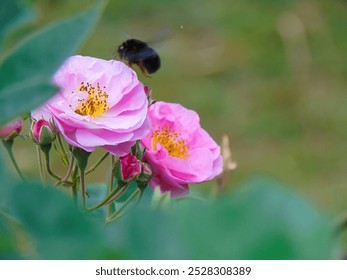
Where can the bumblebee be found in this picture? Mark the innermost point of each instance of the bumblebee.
(134, 51)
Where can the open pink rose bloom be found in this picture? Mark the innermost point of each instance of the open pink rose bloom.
(178, 150)
(100, 104)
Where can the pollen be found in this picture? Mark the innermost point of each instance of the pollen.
(171, 141)
(96, 102)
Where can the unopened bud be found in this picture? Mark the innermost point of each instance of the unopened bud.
(42, 132)
(10, 130)
(127, 168)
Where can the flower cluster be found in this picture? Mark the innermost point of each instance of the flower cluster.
(102, 104)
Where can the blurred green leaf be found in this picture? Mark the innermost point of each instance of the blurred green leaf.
(13, 14)
(128, 192)
(20, 98)
(7, 241)
(4, 179)
(261, 220)
(96, 193)
(26, 72)
(57, 228)
(43, 223)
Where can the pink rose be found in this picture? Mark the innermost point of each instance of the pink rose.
(178, 150)
(41, 113)
(100, 104)
(11, 129)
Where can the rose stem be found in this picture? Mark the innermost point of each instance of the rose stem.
(115, 215)
(110, 197)
(71, 165)
(83, 187)
(74, 184)
(109, 206)
(39, 158)
(8, 145)
(97, 164)
(48, 166)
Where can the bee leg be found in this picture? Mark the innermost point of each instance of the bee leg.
(143, 70)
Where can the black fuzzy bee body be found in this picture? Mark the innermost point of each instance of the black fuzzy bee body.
(134, 51)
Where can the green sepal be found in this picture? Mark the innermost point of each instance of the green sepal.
(137, 150)
(81, 157)
(46, 148)
(47, 136)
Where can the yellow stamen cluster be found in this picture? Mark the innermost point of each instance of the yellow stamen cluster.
(96, 102)
(171, 141)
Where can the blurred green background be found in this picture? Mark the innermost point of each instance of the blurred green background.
(271, 74)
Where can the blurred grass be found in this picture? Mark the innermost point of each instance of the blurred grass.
(270, 74)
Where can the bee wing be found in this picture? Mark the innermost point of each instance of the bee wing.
(163, 35)
(125, 36)
(143, 54)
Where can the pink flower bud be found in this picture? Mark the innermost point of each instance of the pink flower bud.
(127, 168)
(11, 130)
(131, 166)
(42, 132)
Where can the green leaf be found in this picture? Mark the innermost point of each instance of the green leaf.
(7, 241)
(13, 14)
(43, 223)
(29, 99)
(57, 228)
(262, 220)
(128, 192)
(4, 178)
(96, 193)
(25, 74)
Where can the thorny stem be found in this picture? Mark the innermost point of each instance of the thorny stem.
(97, 163)
(74, 192)
(71, 166)
(112, 196)
(74, 184)
(48, 166)
(42, 172)
(8, 145)
(83, 187)
(116, 215)
(109, 206)
(119, 194)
